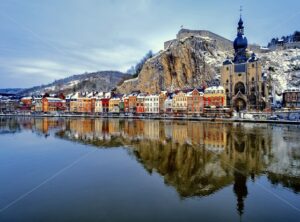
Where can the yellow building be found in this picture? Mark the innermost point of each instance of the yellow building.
(179, 104)
(114, 105)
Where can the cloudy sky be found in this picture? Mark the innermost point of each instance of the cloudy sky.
(41, 41)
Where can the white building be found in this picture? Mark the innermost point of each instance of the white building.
(98, 105)
(152, 104)
(168, 105)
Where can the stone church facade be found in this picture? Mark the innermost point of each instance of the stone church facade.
(242, 78)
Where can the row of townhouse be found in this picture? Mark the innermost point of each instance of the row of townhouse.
(181, 102)
(42, 104)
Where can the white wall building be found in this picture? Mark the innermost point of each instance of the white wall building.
(152, 104)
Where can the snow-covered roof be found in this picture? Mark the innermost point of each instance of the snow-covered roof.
(54, 99)
(292, 89)
(214, 89)
(27, 98)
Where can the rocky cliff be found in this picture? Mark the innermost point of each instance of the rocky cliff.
(188, 61)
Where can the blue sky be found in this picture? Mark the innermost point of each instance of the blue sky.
(41, 40)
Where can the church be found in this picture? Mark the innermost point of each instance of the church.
(242, 78)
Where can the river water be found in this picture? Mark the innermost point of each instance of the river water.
(76, 169)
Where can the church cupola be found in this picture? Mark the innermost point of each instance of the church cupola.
(240, 44)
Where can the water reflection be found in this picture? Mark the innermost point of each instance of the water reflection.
(197, 159)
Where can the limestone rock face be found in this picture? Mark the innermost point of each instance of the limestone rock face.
(187, 62)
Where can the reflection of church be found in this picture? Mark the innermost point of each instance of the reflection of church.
(242, 77)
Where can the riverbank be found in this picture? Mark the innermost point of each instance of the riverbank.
(185, 118)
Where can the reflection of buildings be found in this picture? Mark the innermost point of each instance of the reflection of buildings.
(196, 158)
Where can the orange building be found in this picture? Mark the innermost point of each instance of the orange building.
(26, 103)
(50, 104)
(132, 103)
(140, 104)
(85, 105)
(126, 104)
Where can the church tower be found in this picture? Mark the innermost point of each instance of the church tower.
(242, 78)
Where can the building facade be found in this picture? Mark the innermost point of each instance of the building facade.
(152, 104)
(291, 98)
(114, 105)
(242, 77)
(140, 108)
(194, 102)
(179, 105)
(214, 96)
(98, 106)
(50, 104)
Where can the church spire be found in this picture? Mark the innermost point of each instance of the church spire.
(240, 43)
(240, 24)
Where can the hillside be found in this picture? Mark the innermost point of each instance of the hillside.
(96, 81)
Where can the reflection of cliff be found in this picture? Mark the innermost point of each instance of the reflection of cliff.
(192, 171)
(197, 169)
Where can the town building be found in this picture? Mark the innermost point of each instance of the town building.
(126, 103)
(114, 105)
(168, 105)
(140, 100)
(132, 103)
(291, 98)
(105, 105)
(162, 98)
(85, 105)
(8, 105)
(38, 104)
(50, 104)
(194, 102)
(179, 105)
(98, 105)
(152, 104)
(214, 96)
(26, 103)
(242, 77)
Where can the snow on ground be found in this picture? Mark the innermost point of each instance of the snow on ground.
(282, 65)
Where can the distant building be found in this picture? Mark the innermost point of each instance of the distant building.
(140, 104)
(114, 105)
(180, 103)
(152, 104)
(162, 98)
(105, 105)
(38, 104)
(194, 102)
(50, 104)
(168, 105)
(132, 102)
(98, 106)
(291, 98)
(26, 103)
(214, 96)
